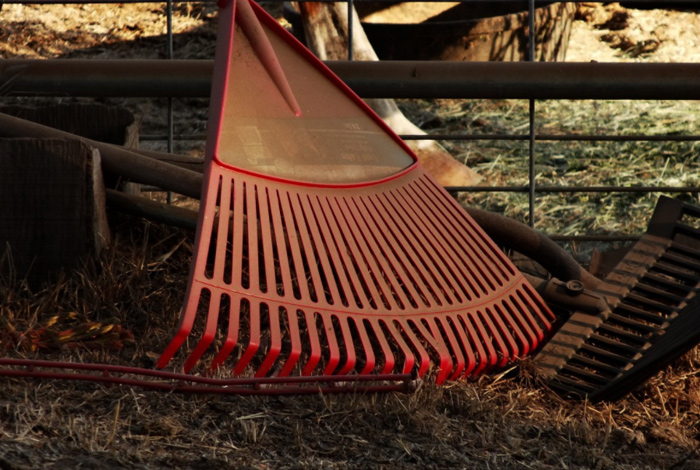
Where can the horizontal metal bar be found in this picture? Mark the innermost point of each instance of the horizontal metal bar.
(618, 138)
(384, 79)
(180, 137)
(510, 137)
(560, 137)
(521, 80)
(574, 189)
(106, 78)
(594, 238)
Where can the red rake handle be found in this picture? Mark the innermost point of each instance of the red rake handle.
(250, 25)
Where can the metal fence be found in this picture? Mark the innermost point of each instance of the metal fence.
(528, 80)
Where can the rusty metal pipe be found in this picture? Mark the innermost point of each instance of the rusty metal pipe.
(524, 239)
(106, 78)
(520, 80)
(384, 79)
(115, 159)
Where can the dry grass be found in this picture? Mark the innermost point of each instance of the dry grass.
(580, 164)
(505, 421)
(139, 282)
(502, 422)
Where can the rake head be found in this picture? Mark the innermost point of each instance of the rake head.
(323, 248)
(654, 313)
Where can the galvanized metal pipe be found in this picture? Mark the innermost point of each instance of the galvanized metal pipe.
(383, 79)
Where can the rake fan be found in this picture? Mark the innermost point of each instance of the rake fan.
(322, 246)
(653, 315)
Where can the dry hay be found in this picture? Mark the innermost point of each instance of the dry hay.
(585, 163)
(507, 421)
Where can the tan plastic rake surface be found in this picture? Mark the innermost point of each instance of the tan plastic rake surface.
(323, 248)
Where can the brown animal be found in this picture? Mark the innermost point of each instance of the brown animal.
(326, 30)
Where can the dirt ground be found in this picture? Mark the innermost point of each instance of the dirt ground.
(612, 33)
(507, 421)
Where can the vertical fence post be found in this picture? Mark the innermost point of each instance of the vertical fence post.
(531, 111)
(169, 12)
(351, 22)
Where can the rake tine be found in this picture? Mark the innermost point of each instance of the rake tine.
(510, 312)
(192, 297)
(254, 338)
(295, 344)
(389, 359)
(355, 294)
(502, 358)
(281, 244)
(409, 274)
(423, 252)
(521, 332)
(538, 309)
(351, 354)
(374, 240)
(421, 242)
(453, 343)
(465, 252)
(471, 359)
(315, 343)
(251, 211)
(332, 235)
(223, 230)
(424, 357)
(223, 218)
(479, 251)
(230, 207)
(435, 340)
(331, 337)
(409, 357)
(367, 263)
(508, 344)
(232, 334)
(189, 313)
(267, 241)
(307, 239)
(275, 341)
(497, 259)
(421, 212)
(209, 330)
(370, 359)
(487, 352)
(237, 250)
(297, 242)
(326, 252)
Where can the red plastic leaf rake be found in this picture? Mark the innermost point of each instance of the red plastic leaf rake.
(323, 247)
